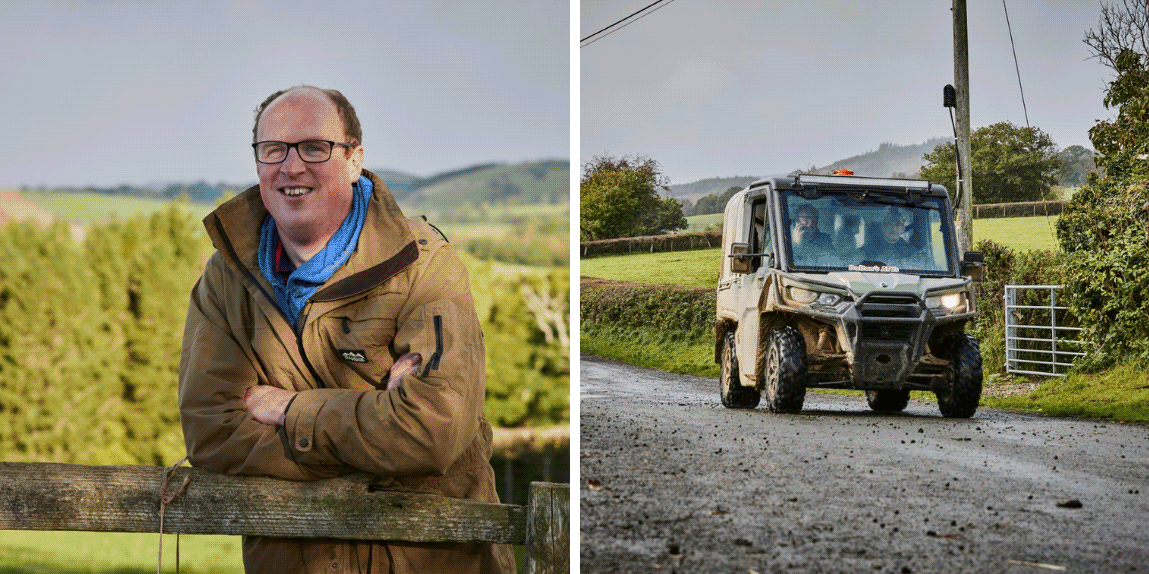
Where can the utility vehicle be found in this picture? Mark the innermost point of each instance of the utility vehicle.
(845, 282)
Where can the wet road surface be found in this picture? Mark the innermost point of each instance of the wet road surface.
(674, 482)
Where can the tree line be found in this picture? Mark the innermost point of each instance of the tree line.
(90, 340)
(620, 196)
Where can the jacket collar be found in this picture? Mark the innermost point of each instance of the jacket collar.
(386, 245)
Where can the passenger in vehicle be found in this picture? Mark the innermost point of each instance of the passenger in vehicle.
(891, 247)
(806, 232)
(810, 245)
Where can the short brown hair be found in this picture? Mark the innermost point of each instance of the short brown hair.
(351, 128)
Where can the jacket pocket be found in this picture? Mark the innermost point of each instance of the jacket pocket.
(358, 340)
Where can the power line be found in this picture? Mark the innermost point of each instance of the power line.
(644, 9)
(1015, 66)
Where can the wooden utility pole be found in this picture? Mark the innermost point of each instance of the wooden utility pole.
(961, 85)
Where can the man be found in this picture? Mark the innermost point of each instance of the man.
(809, 245)
(891, 247)
(806, 232)
(330, 335)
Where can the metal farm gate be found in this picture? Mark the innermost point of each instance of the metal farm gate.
(1040, 335)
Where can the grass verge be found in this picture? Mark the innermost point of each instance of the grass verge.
(649, 348)
(1120, 393)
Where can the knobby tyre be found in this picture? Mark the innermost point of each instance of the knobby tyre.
(785, 371)
(961, 399)
(734, 395)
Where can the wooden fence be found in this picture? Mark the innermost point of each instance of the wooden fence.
(53, 496)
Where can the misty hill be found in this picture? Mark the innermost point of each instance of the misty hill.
(711, 186)
(543, 181)
(889, 159)
(546, 181)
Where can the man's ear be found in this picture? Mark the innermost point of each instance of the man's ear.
(355, 166)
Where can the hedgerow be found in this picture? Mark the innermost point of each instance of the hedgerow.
(90, 338)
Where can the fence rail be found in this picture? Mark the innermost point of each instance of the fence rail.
(53, 496)
(1037, 341)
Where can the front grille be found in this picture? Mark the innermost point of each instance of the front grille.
(887, 331)
(887, 305)
(889, 311)
(892, 299)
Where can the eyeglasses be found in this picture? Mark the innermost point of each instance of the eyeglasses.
(310, 151)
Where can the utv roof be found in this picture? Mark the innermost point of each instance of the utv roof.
(827, 182)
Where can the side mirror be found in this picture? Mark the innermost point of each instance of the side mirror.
(973, 265)
(739, 258)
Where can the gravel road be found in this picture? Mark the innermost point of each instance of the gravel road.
(674, 482)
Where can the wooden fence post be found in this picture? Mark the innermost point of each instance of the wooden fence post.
(548, 529)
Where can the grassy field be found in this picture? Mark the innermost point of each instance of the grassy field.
(704, 222)
(699, 268)
(24, 552)
(1018, 233)
(79, 207)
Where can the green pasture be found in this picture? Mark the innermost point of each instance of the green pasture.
(699, 268)
(82, 207)
(28, 552)
(1019, 233)
(704, 222)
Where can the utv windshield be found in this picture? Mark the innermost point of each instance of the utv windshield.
(873, 232)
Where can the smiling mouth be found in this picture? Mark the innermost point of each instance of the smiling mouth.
(295, 191)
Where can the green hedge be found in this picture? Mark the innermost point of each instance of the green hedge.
(679, 312)
(652, 243)
(90, 337)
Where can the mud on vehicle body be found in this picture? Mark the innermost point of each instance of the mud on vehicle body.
(849, 283)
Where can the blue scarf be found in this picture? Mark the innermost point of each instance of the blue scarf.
(291, 295)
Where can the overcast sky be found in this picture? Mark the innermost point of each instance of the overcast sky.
(109, 92)
(752, 87)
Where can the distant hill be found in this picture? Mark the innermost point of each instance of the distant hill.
(714, 185)
(546, 181)
(889, 159)
(543, 181)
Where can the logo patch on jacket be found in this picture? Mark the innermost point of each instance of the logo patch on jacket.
(352, 355)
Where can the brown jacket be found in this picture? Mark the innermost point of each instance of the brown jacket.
(404, 289)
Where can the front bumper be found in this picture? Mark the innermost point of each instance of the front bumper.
(883, 340)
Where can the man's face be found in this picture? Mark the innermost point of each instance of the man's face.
(892, 229)
(307, 200)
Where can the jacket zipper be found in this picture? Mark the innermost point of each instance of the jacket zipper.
(433, 362)
(298, 330)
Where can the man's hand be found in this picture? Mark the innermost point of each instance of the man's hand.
(408, 364)
(267, 404)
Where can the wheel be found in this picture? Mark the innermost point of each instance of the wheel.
(888, 401)
(785, 371)
(961, 398)
(734, 395)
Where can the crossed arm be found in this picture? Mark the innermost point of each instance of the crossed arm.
(268, 404)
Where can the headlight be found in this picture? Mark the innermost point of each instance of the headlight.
(950, 302)
(807, 297)
(953, 301)
(803, 296)
(829, 299)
